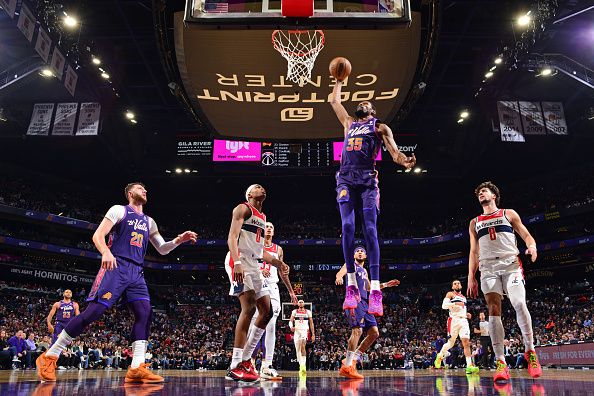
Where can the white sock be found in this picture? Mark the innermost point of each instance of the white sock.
(497, 334)
(351, 279)
(61, 343)
(468, 361)
(525, 323)
(252, 341)
(303, 360)
(270, 340)
(139, 353)
(237, 357)
(358, 355)
(375, 285)
(349, 358)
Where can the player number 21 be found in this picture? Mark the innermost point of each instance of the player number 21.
(355, 144)
(137, 239)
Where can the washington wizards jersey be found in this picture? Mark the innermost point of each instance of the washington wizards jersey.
(273, 251)
(129, 237)
(301, 316)
(458, 311)
(65, 312)
(251, 235)
(496, 238)
(361, 146)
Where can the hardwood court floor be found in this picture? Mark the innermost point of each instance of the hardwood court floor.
(398, 382)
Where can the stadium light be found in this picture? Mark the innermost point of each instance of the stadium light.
(70, 21)
(417, 170)
(460, 121)
(489, 74)
(525, 19)
(130, 115)
(464, 114)
(96, 61)
(498, 60)
(547, 71)
(134, 121)
(493, 68)
(46, 72)
(178, 170)
(187, 170)
(105, 75)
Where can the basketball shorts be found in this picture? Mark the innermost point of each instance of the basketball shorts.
(275, 301)
(252, 278)
(125, 282)
(58, 327)
(359, 317)
(502, 284)
(300, 335)
(353, 185)
(458, 327)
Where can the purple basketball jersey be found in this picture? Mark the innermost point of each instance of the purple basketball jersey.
(129, 237)
(361, 145)
(65, 312)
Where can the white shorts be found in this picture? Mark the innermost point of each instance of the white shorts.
(458, 327)
(274, 300)
(300, 335)
(502, 283)
(252, 278)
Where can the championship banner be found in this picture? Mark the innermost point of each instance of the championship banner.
(554, 118)
(41, 119)
(58, 62)
(88, 119)
(9, 6)
(510, 124)
(43, 44)
(26, 22)
(64, 120)
(532, 119)
(70, 80)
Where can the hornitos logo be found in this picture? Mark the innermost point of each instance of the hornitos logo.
(234, 147)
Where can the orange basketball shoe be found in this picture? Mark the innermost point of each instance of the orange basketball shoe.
(46, 367)
(534, 368)
(501, 372)
(143, 375)
(350, 372)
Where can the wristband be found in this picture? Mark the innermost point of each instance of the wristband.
(532, 246)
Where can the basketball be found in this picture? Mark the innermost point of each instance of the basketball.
(340, 68)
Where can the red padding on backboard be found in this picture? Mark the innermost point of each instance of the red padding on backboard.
(297, 8)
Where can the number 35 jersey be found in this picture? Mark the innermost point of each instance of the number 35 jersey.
(361, 146)
(497, 242)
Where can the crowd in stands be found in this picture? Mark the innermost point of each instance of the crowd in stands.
(194, 328)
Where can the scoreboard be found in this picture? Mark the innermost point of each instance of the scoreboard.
(296, 155)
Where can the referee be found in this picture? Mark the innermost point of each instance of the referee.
(483, 330)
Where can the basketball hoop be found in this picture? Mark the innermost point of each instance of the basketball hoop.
(300, 48)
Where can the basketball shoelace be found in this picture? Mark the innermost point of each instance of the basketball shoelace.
(501, 366)
(532, 359)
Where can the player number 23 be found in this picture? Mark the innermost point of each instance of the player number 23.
(137, 239)
(355, 144)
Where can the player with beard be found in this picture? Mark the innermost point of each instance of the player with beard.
(65, 310)
(359, 319)
(121, 275)
(455, 303)
(357, 190)
(246, 251)
(301, 323)
(494, 252)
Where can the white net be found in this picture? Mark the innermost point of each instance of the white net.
(300, 48)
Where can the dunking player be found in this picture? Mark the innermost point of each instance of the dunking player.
(357, 188)
(359, 319)
(455, 302)
(121, 275)
(300, 323)
(246, 249)
(493, 250)
(65, 310)
(270, 272)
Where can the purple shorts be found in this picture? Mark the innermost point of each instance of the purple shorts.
(359, 317)
(355, 184)
(126, 282)
(58, 327)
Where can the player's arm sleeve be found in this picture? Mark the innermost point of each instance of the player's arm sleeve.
(157, 240)
(447, 303)
(116, 213)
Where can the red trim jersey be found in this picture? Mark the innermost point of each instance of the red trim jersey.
(251, 237)
(458, 310)
(496, 238)
(273, 251)
(301, 319)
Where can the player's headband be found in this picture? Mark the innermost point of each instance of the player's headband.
(361, 247)
(300, 302)
(247, 192)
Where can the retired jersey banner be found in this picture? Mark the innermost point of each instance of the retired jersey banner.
(26, 22)
(64, 120)
(88, 119)
(510, 125)
(58, 62)
(554, 118)
(532, 119)
(43, 44)
(41, 119)
(9, 6)
(70, 80)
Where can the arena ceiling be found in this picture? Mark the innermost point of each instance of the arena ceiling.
(471, 34)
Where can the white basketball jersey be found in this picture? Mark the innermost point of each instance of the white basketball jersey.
(251, 236)
(301, 319)
(496, 238)
(273, 251)
(458, 311)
